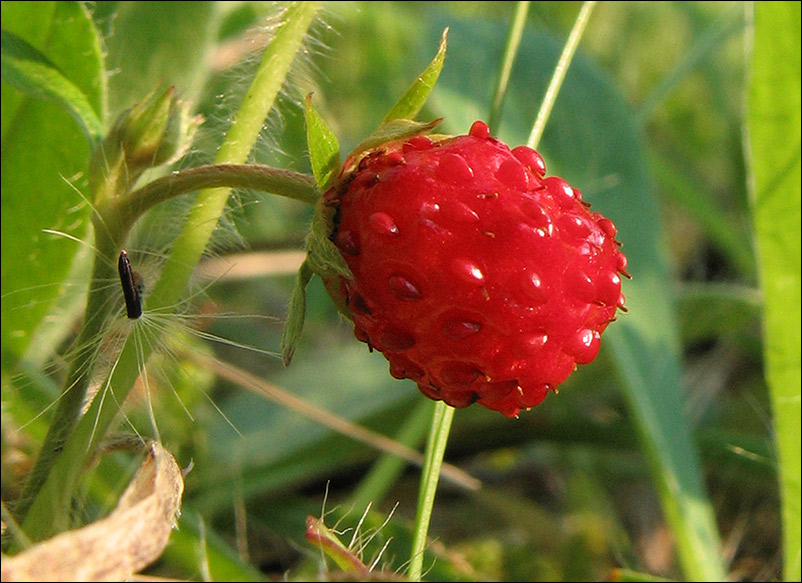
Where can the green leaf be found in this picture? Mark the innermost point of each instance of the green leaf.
(44, 155)
(32, 73)
(324, 149)
(296, 315)
(712, 310)
(152, 43)
(774, 158)
(412, 101)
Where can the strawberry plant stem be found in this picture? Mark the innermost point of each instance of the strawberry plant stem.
(51, 504)
(286, 183)
(435, 449)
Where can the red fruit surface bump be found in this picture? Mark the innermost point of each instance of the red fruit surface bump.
(474, 274)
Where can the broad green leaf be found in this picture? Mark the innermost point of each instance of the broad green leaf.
(322, 144)
(44, 156)
(32, 73)
(711, 310)
(411, 102)
(774, 155)
(729, 235)
(592, 141)
(152, 43)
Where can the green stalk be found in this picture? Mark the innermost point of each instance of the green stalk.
(510, 52)
(50, 507)
(68, 409)
(286, 183)
(559, 73)
(435, 449)
(385, 471)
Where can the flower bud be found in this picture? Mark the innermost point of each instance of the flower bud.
(153, 132)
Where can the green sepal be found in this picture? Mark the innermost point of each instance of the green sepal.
(295, 315)
(324, 149)
(412, 101)
(392, 131)
(323, 256)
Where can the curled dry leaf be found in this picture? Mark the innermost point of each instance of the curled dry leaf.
(112, 549)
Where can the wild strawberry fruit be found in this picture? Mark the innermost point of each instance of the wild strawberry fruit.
(475, 275)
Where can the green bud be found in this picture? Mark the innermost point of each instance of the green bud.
(178, 133)
(153, 132)
(141, 129)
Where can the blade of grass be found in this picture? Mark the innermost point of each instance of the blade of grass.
(559, 73)
(773, 158)
(510, 51)
(50, 506)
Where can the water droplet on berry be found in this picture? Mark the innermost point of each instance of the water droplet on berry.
(621, 263)
(531, 159)
(460, 399)
(459, 328)
(454, 168)
(347, 242)
(459, 373)
(609, 289)
(540, 220)
(562, 192)
(403, 368)
(511, 173)
(393, 158)
(402, 288)
(532, 395)
(383, 224)
(580, 286)
(607, 226)
(584, 346)
(468, 271)
(417, 143)
(573, 227)
(395, 340)
(480, 129)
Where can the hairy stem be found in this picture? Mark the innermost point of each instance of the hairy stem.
(295, 185)
(53, 498)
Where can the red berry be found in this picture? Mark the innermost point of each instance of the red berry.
(477, 277)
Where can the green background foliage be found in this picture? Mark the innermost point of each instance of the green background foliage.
(670, 443)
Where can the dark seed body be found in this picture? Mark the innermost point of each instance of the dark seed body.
(130, 285)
